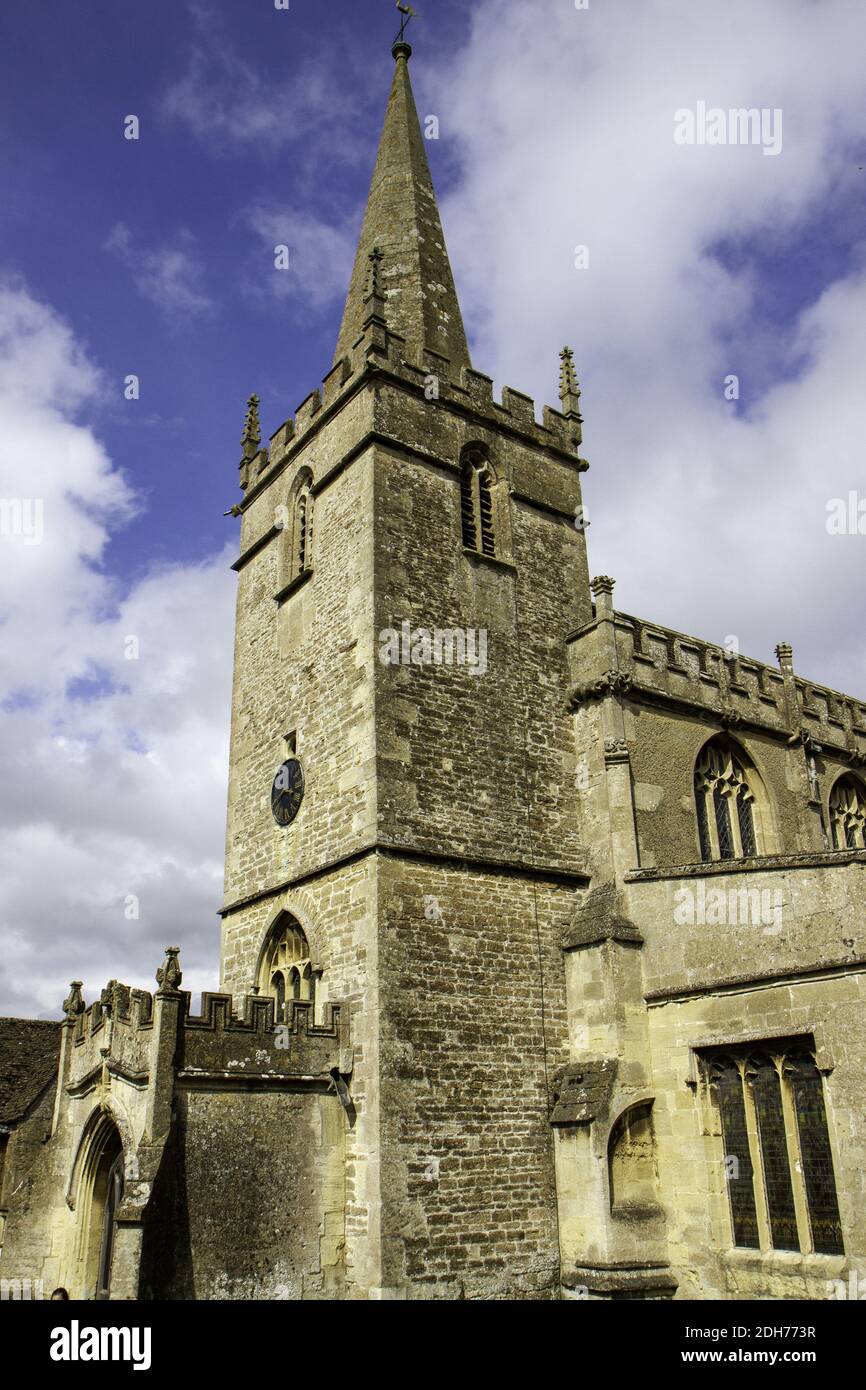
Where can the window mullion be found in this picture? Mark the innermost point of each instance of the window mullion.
(795, 1163)
(715, 848)
(734, 821)
(764, 1228)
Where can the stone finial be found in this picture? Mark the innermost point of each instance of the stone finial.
(252, 436)
(73, 1004)
(169, 975)
(602, 584)
(602, 591)
(569, 387)
(373, 289)
(785, 656)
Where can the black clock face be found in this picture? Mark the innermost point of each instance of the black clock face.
(287, 793)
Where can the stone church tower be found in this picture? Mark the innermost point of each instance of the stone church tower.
(434, 859)
(542, 965)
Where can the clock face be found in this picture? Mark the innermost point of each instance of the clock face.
(287, 793)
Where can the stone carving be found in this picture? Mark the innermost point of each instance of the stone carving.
(615, 750)
(611, 683)
(73, 1004)
(374, 261)
(169, 975)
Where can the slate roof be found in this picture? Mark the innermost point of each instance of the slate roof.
(29, 1048)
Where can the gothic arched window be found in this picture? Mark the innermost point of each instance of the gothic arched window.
(725, 804)
(303, 557)
(477, 504)
(778, 1160)
(286, 970)
(848, 814)
(295, 520)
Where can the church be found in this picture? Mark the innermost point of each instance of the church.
(542, 974)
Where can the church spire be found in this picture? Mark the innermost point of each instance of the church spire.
(402, 223)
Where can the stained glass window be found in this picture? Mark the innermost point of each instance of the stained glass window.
(738, 1160)
(817, 1158)
(779, 1097)
(725, 804)
(764, 1080)
(848, 814)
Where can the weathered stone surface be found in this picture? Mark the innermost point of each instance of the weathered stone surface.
(517, 963)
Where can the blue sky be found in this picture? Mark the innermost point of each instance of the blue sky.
(155, 257)
(223, 327)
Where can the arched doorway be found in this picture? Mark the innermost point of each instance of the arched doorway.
(100, 1196)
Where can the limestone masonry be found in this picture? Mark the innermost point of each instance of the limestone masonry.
(539, 980)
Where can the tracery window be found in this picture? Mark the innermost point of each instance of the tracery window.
(848, 814)
(286, 971)
(778, 1163)
(725, 804)
(477, 509)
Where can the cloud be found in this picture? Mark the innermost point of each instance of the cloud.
(710, 514)
(228, 104)
(319, 260)
(112, 818)
(170, 276)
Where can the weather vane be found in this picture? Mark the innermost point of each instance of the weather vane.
(408, 14)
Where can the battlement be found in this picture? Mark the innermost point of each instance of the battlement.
(253, 1045)
(432, 377)
(117, 1031)
(124, 1007)
(656, 662)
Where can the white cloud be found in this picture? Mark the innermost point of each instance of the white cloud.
(228, 104)
(114, 769)
(710, 521)
(171, 276)
(319, 257)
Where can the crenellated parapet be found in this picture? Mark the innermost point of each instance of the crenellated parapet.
(114, 1032)
(133, 1039)
(655, 665)
(254, 1048)
(432, 380)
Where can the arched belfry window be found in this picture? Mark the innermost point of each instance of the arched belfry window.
(477, 502)
(295, 519)
(304, 529)
(848, 813)
(286, 970)
(726, 803)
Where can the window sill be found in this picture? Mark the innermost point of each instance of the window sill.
(292, 587)
(785, 1261)
(767, 863)
(493, 560)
